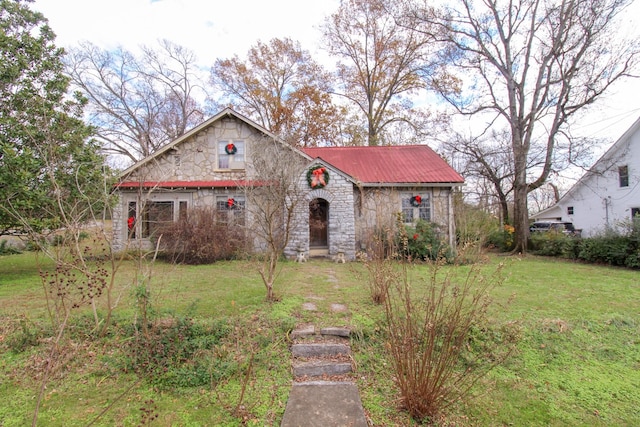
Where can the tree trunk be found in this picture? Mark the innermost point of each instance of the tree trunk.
(521, 217)
(520, 193)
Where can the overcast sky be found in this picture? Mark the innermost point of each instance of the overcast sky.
(219, 29)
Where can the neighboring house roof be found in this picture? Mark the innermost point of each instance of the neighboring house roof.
(400, 164)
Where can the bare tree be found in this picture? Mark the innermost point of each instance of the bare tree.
(530, 66)
(380, 68)
(138, 103)
(282, 88)
(273, 196)
(486, 164)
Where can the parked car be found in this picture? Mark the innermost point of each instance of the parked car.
(564, 227)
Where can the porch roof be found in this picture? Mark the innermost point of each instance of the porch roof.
(188, 184)
(401, 164)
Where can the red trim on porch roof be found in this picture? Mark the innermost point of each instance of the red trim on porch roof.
(187, 184)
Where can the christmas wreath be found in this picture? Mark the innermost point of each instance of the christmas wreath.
(231, 203)
(230, 149)
(317, 177)
(416, 200)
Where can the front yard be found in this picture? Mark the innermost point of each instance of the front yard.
(577, 361)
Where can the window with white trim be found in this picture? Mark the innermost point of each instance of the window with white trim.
(231, 209)
(230, 153)
(416, 206)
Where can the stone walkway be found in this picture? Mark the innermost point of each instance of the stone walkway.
(322, 393)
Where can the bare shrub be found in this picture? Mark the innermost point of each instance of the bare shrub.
(440, 341)
(380, 264)
(200, 237)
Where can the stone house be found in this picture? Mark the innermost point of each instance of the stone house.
(346, 191)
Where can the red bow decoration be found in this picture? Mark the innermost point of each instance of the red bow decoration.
(418, 199)
(230, 203)
(415, 236)
(318, 177)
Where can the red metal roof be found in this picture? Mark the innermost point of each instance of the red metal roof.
(400, 164)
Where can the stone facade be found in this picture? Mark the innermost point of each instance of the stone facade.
(339, 193)
(195, 171)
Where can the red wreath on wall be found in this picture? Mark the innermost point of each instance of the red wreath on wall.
(416, 200)
(317, 177)
(230, 149)
(231, 202)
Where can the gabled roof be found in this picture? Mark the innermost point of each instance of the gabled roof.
(227, 112)
(613, 151)
(400, 164)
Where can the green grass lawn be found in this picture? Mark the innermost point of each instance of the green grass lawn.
(577, 362)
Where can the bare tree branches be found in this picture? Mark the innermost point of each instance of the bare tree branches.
(531, 65)
(138, 103)
(382, 65)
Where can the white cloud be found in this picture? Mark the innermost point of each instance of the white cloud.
(212, 29)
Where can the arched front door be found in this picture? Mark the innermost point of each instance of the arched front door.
(318, 221)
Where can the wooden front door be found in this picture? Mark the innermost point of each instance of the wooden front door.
(318, 220)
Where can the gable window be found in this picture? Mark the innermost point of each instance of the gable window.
(412, 210)
(570, 210)
(230, 154)
(230, 209)
(623, 175)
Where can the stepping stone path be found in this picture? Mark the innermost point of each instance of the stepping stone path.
(322, 393)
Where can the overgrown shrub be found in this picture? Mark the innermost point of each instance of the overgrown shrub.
(552, 244)
(379, 262)
(424, 242)
(201, 238)
(440, 339)
(612, 249)
(502, 239)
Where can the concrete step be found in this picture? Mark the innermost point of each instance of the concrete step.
(323, 349)
(318, 368)
(324, 404)
(336, 332)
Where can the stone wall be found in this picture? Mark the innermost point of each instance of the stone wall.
(341, 222)
(378, 208)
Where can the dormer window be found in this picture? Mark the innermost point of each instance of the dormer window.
(230, 154)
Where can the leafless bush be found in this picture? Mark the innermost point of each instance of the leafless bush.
(380, 264)
(201, 238)
(439, 339)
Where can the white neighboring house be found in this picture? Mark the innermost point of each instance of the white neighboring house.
(608, 194)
